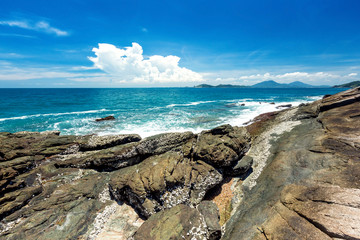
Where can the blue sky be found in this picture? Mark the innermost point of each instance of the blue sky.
(177, 43)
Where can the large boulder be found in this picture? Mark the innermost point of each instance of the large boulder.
(223, 146)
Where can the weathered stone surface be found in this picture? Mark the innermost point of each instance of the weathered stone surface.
(223, 146)
(210, 212)
(332, 209)
(163, 181)
(179, 222)
(95, 142)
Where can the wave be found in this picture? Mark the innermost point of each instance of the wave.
(53, 114)
(188, 104)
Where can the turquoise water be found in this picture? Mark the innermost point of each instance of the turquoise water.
(146, 111)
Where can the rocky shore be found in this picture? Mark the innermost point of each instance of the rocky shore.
(292, 174)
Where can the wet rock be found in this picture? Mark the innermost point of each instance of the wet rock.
(284, 106)
(180, 222)
(108, 118)
(163, 181)
(222, 146)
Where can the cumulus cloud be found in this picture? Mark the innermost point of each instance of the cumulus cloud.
(129, 65)
(40, 26)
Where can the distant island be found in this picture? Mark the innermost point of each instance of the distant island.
(265, 84)
(348, 85)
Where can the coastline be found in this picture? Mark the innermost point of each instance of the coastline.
(63, 186)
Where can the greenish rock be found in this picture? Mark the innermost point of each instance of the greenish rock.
(179, 222)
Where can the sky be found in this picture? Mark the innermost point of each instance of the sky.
(176, 43)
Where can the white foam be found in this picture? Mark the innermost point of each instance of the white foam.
(54, 114)
(188, 104)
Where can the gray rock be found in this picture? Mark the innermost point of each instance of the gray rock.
(210, 212)
(243, 165)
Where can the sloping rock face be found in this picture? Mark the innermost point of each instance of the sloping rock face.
(308, 182)
(88, 187)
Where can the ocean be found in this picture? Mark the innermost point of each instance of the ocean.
(145, 111)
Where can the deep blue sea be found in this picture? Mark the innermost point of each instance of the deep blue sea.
(146, 111)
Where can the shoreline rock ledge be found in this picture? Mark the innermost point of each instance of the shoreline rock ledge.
(291, 174)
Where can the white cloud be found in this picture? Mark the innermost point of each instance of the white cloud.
(129, 65)
(40, 26)
(315, 78)
(8, 72)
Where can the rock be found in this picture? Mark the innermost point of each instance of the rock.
(95, 142)
(242, 105)
(243, 166)
(32, 143)
(284, 106)
(340, 99)
(162, 143)
(272, 103)
(333, 210)
(180, 222)
(163, 181)
(125, 155)
(308, 184)
(108, 118)
(223, 146)
(210, 212)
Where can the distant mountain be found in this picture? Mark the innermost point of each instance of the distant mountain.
(296, 84)
(348, 85)
(268, 84)
(264, 84)
(220, 86)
